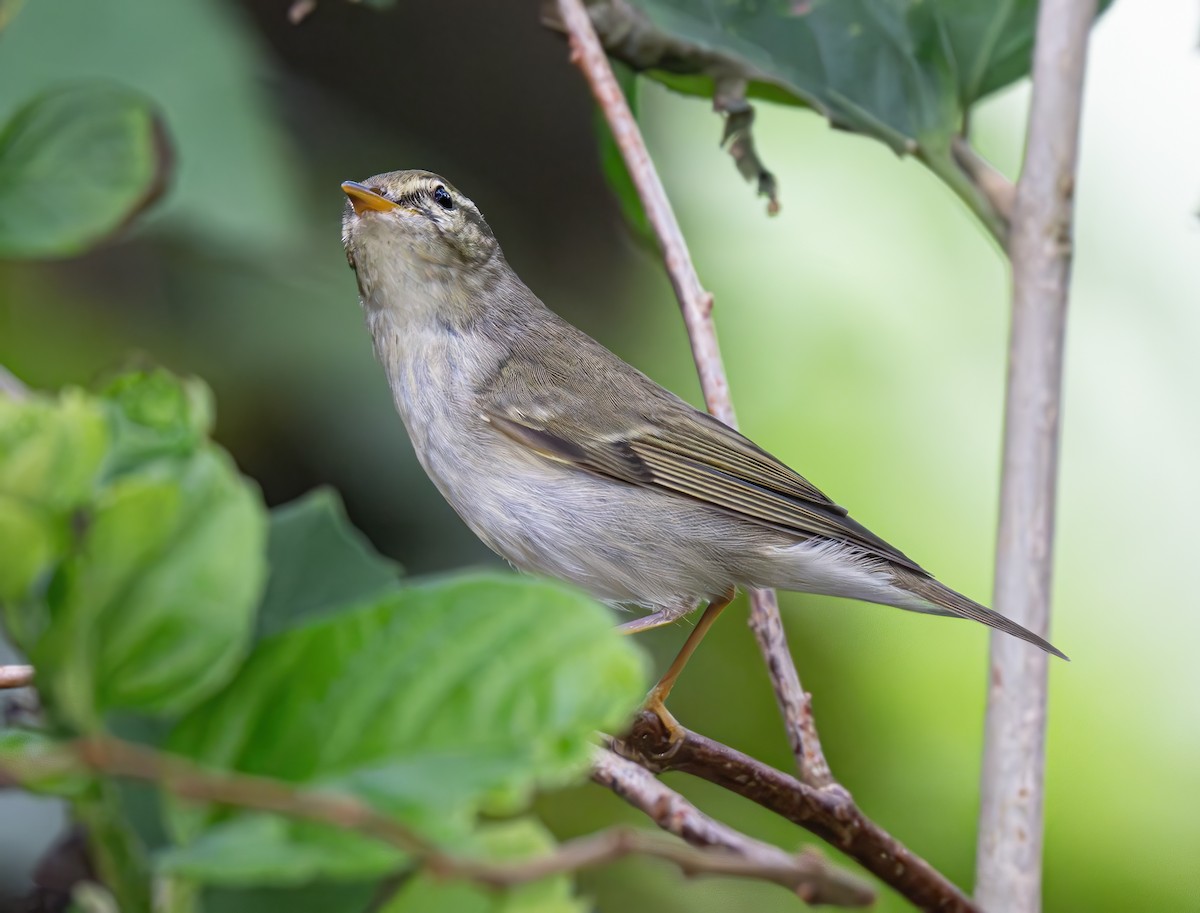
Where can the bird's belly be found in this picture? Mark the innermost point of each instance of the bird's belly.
(620, 542)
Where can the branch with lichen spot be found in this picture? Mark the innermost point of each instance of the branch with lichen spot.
(828, 814)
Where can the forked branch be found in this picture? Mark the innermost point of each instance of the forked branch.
(808, 873)
(834, 819)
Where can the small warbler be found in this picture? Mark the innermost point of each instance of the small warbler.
(569, 462)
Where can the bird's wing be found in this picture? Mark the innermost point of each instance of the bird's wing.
(698, 457)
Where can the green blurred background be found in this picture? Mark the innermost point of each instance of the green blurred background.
(864, 331)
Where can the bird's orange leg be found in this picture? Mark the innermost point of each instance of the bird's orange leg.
(656, 699)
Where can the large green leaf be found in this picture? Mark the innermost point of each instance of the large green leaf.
(905, 72)
(154, 609)
(319, 563)
(148, 544)
(429, 703)
(76, 164)
(901, 71)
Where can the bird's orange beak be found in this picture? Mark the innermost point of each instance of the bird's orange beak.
(363, 198)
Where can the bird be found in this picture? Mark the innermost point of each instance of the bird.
(571, 463)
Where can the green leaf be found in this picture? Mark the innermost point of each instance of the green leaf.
(874, 66)
(319, 563)
(429, 703)
(155, 415)
(154, 610)
(76, 164)
(51, 451)
(33, 539)
(510, 840)
(904, 73)
(258, 849)
(236, 182)
(148, 544)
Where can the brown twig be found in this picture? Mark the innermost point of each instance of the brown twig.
(15, 677)
(837, 821)
(696, 305)
(809, 874)
(186, 780)
(1009, 865)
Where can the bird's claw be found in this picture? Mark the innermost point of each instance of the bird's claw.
(675, 732)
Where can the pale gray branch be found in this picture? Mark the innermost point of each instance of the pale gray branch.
(1009, 864)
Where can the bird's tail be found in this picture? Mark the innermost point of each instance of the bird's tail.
(947, 600)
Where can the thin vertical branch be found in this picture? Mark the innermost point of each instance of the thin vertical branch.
(1008, 867)
(696, 305)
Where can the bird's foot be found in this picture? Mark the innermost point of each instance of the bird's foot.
(674, 730)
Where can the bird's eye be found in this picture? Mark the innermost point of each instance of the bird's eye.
(442, 197)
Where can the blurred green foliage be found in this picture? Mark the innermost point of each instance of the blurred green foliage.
(138, 593)
(77, 164)
(234, 178)
(148, 560)
(864, 333)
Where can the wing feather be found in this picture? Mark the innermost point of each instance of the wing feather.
(723, 470)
